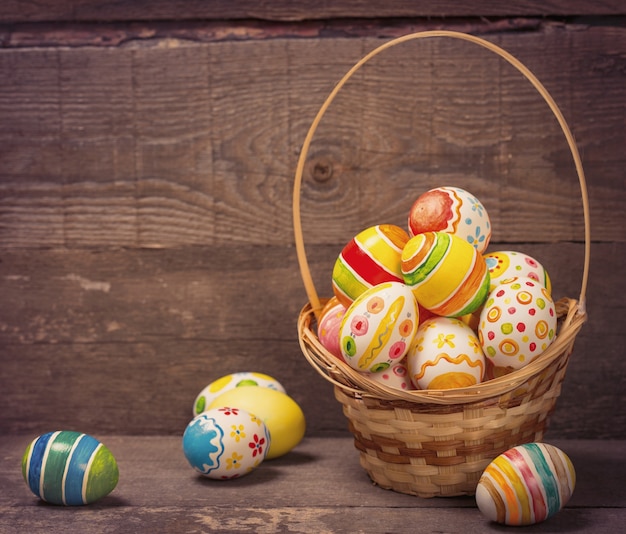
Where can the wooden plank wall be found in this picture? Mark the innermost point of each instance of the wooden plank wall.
(147, 153)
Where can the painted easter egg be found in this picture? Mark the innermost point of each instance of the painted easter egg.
(69, 468)
(507, 264)
(378, 327)
(448, 276)
(328, 325)
(452, 210)
(282, 416)
(526, 485)
(370, 258)
(397, 376)
(517, 323)
(231, 381)
(225, 443)
(445, 354)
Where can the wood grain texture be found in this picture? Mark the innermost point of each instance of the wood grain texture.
(318, 487)
(188, 144)
(70, 10)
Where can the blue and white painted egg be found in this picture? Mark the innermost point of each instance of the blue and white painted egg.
(69, 468)
(225, 443)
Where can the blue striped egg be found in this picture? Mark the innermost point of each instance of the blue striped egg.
(69, 468)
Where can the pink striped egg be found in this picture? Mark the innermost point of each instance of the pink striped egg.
(526, 485)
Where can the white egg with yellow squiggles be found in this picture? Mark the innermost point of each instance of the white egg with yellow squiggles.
(505, 264)
(379, 326)
(445, 354)
(517, 323)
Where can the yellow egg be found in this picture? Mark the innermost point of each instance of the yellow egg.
(281, 414)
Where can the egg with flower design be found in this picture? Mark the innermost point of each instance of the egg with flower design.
(445, 354)
(452, 210)
(225, 443)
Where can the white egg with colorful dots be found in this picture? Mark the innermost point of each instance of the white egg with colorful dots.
(452, 210)
(397, 376)
(378, 327)
(445, 354)
(506, 264)
(517, 323)
(232, 381)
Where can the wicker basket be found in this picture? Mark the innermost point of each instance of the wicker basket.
(438, 442)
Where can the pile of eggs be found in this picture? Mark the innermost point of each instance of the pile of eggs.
(430, 307)
(240, 420)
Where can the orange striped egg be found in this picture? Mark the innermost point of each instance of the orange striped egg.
(370, 258)
(526, 485)
(445, 354)
(379, 326)
(448, 275)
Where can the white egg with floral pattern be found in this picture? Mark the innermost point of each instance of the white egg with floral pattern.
(225, 443)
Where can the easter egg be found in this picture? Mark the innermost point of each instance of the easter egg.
(370, 258)
(517, 323)
(282, 416)
(448, 276)
(445, 354)
(69, 468)
(378, 327)
(507, 264)
(328, 326)
(225, 443)
(231, 381)
(452, 210)
(397, 376)
(526, 485)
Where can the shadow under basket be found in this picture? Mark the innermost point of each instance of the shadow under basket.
(438, 442)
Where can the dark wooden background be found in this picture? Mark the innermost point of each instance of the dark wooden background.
(147, 152)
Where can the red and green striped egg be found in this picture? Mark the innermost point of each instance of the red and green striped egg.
(69, 468)
(370, 258)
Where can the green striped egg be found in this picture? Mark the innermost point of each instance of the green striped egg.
(69, 468)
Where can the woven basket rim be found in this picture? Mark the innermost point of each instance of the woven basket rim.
(359, 385)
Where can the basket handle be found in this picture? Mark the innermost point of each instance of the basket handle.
(297, 223)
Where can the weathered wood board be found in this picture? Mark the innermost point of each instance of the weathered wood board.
(146, 243)
(318, 487)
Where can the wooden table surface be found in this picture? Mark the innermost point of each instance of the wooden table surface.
(318, 487)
